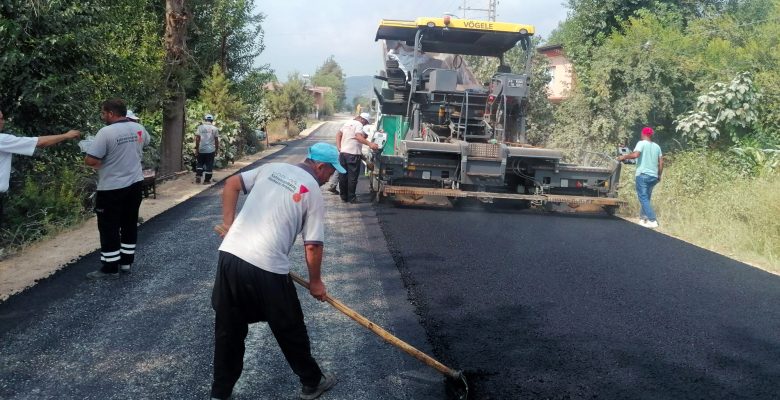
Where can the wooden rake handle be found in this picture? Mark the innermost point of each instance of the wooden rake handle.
(387, 336)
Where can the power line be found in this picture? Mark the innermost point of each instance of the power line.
(491, 9)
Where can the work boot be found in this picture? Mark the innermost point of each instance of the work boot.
(125, 269)
(197, 180)
(100, 275)
(312, 392)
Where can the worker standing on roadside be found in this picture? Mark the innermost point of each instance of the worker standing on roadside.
(206, 148)
(10, 145)
(350, 140)
(253, 282)
(649, 168)
(115, 155)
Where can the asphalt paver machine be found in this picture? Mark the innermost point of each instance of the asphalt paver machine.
(445, 135)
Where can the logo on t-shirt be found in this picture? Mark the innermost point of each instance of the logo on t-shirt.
(140, 136)
(297, 197)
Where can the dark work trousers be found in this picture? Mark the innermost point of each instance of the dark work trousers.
(348, 181)
(117, 218)
(205, 164)
(244, 294)
(2, 198)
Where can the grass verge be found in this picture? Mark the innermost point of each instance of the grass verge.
(704, 200)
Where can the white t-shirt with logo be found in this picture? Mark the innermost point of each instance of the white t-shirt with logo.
(349, 144)
(208, 133)
(10, 145)
(284, 200)
(119, 147)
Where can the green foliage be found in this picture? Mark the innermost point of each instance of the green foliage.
(363, 101)
(228, 33)
(330, 74)
(756, 161)
(251, 90)
(217, 96)
(705, 199)
(725, 107)
(61, 58)
(291, 102)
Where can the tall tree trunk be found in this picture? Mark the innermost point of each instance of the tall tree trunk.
(176, 18)
(223, 53)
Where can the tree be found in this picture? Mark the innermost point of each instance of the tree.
(216, 95)
(176, 17)
(331, 75)
(227, 33)
(292, 102)
(251, 90)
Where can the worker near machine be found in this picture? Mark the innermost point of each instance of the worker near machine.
(253, 282)
(10, 145)
(649, 167)
(206, 148)
(350, 140)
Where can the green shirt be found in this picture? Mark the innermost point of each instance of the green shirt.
(649, 153)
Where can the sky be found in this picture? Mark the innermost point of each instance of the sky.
(301, 34)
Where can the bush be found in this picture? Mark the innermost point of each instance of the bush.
(52, 195)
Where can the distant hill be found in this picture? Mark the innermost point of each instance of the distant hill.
(358, 86)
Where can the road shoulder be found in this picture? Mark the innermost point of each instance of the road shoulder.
(43, 258)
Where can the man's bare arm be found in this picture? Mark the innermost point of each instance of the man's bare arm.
(230, 199)
(630, 156)
(92, 162)
(50, 140)
(314, 262)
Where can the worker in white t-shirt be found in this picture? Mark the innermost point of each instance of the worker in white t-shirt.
(253, 282)
(350, 140)
(10, 145)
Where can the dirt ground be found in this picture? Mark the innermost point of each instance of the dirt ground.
(47, 256)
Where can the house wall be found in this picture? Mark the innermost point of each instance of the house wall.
(562, 73)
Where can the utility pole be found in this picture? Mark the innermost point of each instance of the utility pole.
(491, 10)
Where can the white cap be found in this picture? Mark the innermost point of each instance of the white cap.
(209, 117)
(366, 116)
(131, 115)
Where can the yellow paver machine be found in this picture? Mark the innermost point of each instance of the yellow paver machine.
(445, 135)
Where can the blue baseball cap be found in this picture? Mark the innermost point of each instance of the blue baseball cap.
(327, 153)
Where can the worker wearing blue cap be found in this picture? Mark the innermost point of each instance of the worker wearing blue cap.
(253, 283)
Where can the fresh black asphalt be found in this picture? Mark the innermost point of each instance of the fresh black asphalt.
(530, 305)
(551, 306)
(149, 335)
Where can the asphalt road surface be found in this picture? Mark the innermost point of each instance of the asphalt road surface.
(545, 306)
(530, 305)
(150, 335)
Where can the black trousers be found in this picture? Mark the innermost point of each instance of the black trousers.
(117, 218)
(244, 294)
(2, 198)
(348, 181)
(205, 164)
